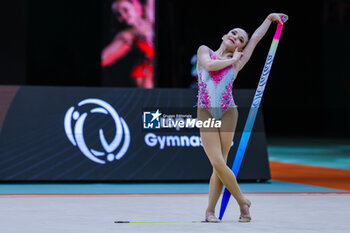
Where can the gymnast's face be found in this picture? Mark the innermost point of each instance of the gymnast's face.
(127, 12)
(236, 38)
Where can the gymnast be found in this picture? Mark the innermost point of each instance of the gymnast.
(217, 71)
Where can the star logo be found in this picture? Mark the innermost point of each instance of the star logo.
(156, 115)
(151, 120)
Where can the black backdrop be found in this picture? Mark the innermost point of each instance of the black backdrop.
(59, 43)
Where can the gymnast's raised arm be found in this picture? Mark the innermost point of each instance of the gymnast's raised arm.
(208, 64)
(256, 37)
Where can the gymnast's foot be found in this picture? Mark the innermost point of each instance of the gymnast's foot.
(245, 215)
(210, 217)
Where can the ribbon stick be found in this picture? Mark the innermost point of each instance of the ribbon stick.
(252, 114)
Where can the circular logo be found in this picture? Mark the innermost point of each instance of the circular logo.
(74, 127)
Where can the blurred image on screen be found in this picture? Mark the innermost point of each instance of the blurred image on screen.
(128, 52)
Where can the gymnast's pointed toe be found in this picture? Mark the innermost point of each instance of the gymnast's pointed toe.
(210, 217)
(244, 218)
(245, 215)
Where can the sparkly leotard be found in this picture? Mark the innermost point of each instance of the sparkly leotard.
(215, 89)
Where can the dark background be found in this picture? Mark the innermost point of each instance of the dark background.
(59, 43)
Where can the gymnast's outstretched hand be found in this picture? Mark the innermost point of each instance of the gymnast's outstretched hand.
(277, 17)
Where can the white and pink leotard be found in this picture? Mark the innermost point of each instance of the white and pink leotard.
(215, 89)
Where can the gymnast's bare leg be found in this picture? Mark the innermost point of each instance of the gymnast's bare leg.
(217, 143)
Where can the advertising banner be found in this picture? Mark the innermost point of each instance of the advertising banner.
(107, 134)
